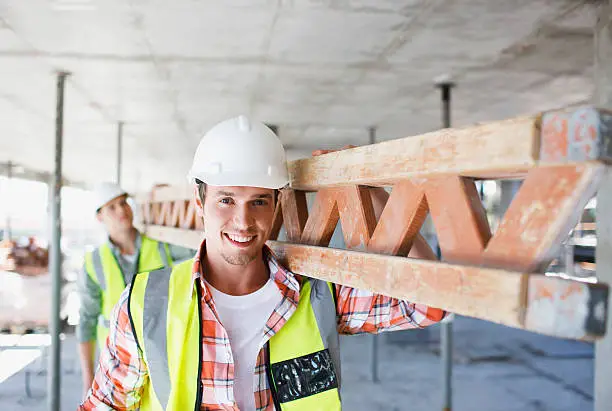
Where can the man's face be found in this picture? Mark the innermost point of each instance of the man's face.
(237, 221)
(116, 215)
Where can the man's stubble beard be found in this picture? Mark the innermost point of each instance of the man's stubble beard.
(239, 259)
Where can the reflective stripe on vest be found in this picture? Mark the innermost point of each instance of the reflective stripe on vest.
(103, 268)
(164, 308)
(169, 347)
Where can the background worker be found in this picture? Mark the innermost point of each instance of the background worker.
(111, 266)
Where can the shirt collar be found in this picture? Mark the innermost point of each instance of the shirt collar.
(115, 249)
(286, 281)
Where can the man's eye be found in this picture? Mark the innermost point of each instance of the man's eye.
(260, 202)
(226, 200)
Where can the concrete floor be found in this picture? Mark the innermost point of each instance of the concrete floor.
(496, 369)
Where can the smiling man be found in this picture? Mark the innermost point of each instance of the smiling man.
(233, 329)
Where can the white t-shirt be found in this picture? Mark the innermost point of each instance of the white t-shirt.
(244, 317)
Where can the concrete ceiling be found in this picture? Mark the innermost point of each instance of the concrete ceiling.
(323, 70)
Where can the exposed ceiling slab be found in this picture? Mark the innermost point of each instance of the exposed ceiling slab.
(323, 71)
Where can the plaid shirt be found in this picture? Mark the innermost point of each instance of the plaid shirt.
(122, 372)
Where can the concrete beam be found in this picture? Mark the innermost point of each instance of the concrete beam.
(19, 171)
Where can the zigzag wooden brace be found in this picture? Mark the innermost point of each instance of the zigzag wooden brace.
(494, 276)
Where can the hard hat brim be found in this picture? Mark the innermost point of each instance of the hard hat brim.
(114, 198)
(242, 180)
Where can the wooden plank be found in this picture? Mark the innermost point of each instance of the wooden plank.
(547, 206)
(164, 214)
(155, 213)
(188, 220)
(564, 308)
(493, 295)
(277, 221)
(295, 213)
(177, 213)
(356, 216)
(322, 220)
(501, 147)
(459, 218)
(548, 305)
(145, 212)
(400, 221)
(581, 134)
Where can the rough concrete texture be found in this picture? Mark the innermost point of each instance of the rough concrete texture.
(323, 71)
(496, 369)
(603, 55)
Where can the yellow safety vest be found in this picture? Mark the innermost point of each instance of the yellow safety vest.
(103, 268)
(303, 361)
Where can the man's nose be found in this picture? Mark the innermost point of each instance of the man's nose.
(243, 217)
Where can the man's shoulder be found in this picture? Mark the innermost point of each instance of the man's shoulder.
(184, 265)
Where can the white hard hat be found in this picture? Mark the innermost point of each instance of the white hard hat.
(105, 192)
(240, 152)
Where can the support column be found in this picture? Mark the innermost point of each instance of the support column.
(119, 150)
(446, 328)
(54, 374)
(8, 234)
(603, 257)
(375, 337)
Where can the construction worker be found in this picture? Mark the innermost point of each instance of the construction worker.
(111, 266)
(233, 329)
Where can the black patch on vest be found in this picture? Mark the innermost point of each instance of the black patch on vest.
(304, 376)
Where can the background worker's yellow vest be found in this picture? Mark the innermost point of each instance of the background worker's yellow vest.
(303, 364)
(104, 270)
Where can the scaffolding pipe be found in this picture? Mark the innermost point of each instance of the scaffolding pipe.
(8, 234)
(53, 377)
(446, 330)
(119, 151)
(375, 337)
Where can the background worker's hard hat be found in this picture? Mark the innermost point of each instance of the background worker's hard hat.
(240, 152)
(106, 192)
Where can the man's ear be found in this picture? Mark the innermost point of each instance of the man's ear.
(99, 216)
(198, 202)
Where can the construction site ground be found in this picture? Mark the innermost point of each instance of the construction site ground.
(496, 368)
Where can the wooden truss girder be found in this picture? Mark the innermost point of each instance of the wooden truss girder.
(494, 276)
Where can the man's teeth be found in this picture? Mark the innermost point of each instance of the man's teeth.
(240, 239)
